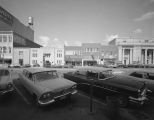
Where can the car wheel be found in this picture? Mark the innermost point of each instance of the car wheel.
(35, 98)
(122, 101)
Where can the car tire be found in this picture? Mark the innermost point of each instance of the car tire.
(35, 98)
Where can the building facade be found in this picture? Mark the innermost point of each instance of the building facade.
(89, 54)
(132, 51)
(55, 56)
(16, 40)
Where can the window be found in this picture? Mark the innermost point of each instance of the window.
(4, 50)
(4, 38)
(34, 55)
(1, 49)
(10, 38)
(135, 74)
(9, 49)
(21, 52)
(34, 61)
(0, 38)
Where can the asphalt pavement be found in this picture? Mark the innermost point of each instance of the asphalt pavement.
(20, 106)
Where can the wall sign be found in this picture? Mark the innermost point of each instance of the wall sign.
(6, 16)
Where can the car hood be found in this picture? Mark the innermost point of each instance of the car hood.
(55, 84)
(126, 81)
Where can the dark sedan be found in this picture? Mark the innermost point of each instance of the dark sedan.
(144, 75)
(125, 88)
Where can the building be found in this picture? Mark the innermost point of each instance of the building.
(16, 40)
(73, 55)
(135, 51)
(89, 54)
(54, 56)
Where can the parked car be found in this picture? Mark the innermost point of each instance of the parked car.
(68, 66)
(46, 86)
(14, 66)
(47, 65)
(146, 76)
(125, 88)
(5, 81)
(27, 65)
(36, 65)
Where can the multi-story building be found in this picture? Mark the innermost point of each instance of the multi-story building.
(16, 39)
(133, 50)
(55, 56)
(73, 55)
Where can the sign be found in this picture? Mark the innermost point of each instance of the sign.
(6, 16)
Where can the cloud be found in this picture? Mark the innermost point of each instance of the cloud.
(146, 16)
(108, 38)
(72, 43)
(43, 40)
(137, 31)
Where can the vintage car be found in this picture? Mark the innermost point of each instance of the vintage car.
(145, 75)
(46, 86)
(125, 88)
(5, 81)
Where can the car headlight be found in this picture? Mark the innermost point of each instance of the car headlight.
(44, 96)
(47, 95)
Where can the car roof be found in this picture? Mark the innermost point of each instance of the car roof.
(37, 70)
(95, 69)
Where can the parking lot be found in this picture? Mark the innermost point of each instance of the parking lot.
(20, 105)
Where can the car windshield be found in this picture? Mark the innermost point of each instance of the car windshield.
(105, 74)
(42, 76)
(4, 72)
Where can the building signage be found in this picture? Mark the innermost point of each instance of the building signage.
(6, 16)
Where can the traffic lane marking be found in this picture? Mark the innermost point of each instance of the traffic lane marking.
(21, 90)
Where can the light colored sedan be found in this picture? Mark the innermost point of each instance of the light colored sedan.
(46, 86)
(5, 81)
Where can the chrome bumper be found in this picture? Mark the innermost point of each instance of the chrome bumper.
(6, 91)
(140, 100)
(41, 103)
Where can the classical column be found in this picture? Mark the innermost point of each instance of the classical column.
(123, 55)
(120, 53)
(153, 56)
(130, 53)
(145, 56)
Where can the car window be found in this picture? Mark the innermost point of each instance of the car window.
(42, 76)
(105, 74)
(135, 74)
(151, 76)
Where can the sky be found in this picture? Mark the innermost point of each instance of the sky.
(73, 22)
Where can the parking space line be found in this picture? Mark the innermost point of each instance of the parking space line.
(94, 99)
(20, 93)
